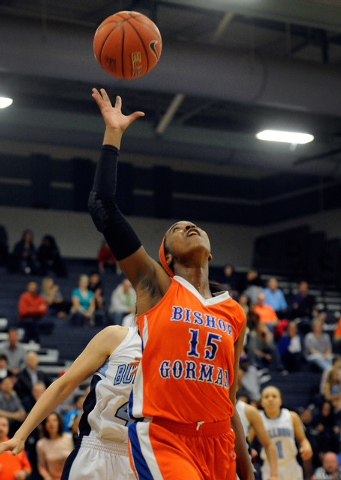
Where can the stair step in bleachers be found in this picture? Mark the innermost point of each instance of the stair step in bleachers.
(298, 389)
(69, 340)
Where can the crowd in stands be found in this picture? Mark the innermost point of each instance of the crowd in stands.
(285, 335)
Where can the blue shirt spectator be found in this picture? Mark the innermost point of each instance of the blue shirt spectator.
(275, 297)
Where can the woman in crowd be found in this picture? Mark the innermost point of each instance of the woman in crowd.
(53, 448)
(332, 388)
(290, 348)
(54, 298)
(24, 257)
(83, 303)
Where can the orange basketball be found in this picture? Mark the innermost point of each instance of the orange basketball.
(127, 44)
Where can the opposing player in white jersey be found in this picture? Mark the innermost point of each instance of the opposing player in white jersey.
(253, 426)
(101, 451)
(284, 428)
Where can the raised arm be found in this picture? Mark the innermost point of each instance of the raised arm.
(147, 276)
(92, 357)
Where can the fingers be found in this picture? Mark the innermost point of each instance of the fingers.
(101, 97)
(118, 103)
(134, 116)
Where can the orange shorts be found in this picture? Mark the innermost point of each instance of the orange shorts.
(165, 450)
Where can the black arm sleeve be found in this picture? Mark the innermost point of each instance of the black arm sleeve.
(105, 214)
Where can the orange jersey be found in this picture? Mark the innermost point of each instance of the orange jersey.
(266, 313)
(188, 356)
(13, 463)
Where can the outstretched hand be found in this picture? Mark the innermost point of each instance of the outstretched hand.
(113, 116)
(14, 445)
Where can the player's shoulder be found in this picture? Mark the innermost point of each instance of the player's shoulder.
(112, 336)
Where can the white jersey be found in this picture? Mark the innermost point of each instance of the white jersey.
(240, 406)
(105, 411)
(281, 432)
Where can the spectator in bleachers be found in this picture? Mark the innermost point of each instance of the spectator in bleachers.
(324, 422)
(332, 389)
(318, 347)
(250, 380)
(24, 256)
(250, 284)
(32, 308)
(14, 351)
(54, 298)
(275, 298)
(266, 313)
(229, 280)
(72, 414)
(330, 468)
(53, 448)
(30, 375)
(12, 467)
(10, 405)
(302, 307)
(96, 286)
(290, 348)
(37, 390)
(244, 303)
(336, 363)
(122, 302)
(4, 372)
(83, 303)
(105, 258)
(262, 350)
(50, 258)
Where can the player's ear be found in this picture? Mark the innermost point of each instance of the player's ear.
(169, 258)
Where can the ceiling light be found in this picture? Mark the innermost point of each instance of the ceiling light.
(286, 137)
(5, 102)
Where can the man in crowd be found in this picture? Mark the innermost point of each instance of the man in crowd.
(14, 351)
(32, 307)
(30, 375)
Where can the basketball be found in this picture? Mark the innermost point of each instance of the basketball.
(127, 45)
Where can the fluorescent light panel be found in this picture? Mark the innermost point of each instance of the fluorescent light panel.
(285, 137)
(5, 102)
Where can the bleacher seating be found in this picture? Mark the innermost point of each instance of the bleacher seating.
(299, 389)
(57, 351)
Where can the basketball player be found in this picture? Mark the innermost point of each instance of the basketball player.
(186, 382)
(101, 449)
(253, 425)
(284, 428)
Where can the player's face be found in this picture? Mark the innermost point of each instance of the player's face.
(184, 235)
(271, 400)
